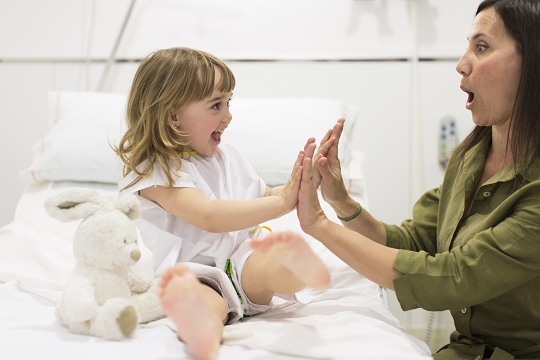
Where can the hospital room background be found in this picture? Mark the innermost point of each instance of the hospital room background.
(393, 59)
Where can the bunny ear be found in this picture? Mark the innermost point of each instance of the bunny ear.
(74, 204)
(130, 205)
(68, 204)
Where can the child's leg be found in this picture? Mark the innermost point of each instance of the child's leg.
(281, 263)
(198, 311)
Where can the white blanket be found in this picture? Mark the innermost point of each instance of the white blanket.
(346, 321)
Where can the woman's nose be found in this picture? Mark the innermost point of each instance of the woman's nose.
(463, 67)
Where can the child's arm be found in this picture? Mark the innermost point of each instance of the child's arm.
(217, 216)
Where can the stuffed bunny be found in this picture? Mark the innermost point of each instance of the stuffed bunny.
(104, 297)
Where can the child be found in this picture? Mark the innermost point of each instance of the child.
(200, 201)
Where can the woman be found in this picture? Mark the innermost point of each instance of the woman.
(473, 245)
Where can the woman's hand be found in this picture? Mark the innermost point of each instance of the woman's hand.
(327, 168)
(309, 209)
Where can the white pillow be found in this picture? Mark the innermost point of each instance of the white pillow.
(76, 145)
(269, 132)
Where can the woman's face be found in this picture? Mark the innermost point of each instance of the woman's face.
(490, 70)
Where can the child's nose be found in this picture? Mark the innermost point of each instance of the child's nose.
(227, 118)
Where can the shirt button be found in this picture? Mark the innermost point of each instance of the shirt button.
(464, 310)
(487, 194)
(478, 357)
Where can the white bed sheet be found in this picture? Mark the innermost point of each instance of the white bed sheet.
(346, 321)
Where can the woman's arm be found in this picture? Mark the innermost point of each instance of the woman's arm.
(372, 260)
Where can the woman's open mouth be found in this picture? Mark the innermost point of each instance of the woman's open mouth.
(470, 99)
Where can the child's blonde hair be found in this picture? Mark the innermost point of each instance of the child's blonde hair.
(165, 79)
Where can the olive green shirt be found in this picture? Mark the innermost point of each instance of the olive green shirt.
(484, 268)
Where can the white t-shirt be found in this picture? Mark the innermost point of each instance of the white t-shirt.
(226, 175)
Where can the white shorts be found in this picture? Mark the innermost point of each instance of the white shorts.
(238, 303)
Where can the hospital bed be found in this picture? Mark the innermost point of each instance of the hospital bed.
(348, 320)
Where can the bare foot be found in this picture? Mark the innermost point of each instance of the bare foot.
(290, 249)
(184, 300)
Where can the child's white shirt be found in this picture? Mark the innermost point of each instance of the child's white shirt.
(226, 175)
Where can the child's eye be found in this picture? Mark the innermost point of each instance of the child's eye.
(229, 102)
(216, 106)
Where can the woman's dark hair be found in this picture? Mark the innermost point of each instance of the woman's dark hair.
(522, 21)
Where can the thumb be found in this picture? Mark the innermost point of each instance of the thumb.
(324, 168)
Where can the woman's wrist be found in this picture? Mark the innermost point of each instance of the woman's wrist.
(316, 229)
(346, 207)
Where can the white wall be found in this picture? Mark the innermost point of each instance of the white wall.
(44, 44)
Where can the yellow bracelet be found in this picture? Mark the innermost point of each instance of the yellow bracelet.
(259, 228)
(352, 217)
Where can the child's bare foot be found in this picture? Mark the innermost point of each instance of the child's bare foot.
(290, 249)
(184, 300)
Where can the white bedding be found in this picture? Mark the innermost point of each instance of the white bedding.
(346, 321)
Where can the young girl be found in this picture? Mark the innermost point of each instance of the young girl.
(201, 201)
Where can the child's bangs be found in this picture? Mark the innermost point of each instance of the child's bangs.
(207, 78)
(227, 82)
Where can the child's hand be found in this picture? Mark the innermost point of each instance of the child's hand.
(289, 192)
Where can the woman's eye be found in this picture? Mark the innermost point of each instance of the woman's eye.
(481, 47)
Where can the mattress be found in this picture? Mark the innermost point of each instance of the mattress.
(348, 320)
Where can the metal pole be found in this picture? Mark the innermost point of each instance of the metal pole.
(112, 58)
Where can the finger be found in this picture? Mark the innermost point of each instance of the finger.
(325, 138)
(297, 179)
(309, 151)
(298, 162)
(310, 141)
(316, 173)
(337, 130)
(324, 169)
(332, 152)
(305, 184)
(324, 148)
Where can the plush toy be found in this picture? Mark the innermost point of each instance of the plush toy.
(104, 296)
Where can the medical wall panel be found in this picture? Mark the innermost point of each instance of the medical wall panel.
(279, 29)
(236, 29)
(443, 27)
(59, 29)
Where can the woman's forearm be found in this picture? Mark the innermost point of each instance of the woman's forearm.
(364, 223)
(367, 257)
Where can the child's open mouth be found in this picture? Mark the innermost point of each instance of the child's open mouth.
(216, 136)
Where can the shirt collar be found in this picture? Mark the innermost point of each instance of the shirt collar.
(475, 159)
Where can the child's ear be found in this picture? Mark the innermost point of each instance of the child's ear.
(174, 119)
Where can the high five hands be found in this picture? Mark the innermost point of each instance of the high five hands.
(321, 168)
